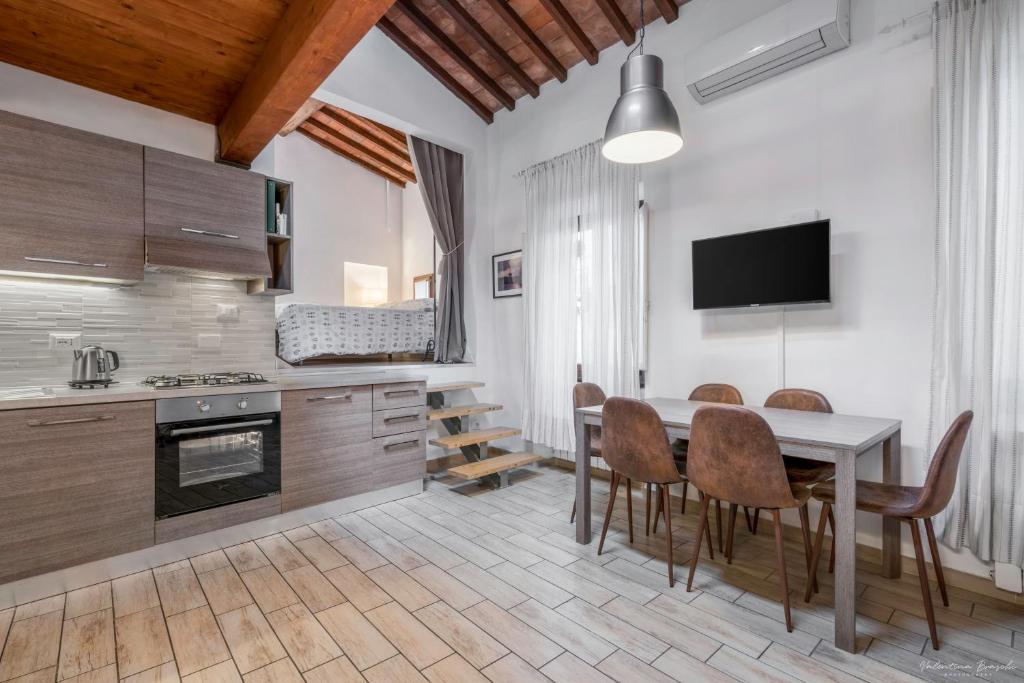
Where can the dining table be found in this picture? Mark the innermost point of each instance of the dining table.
(825, 437)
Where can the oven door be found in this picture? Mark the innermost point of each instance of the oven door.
(202, 464)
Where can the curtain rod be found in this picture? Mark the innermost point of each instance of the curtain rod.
(559, 157)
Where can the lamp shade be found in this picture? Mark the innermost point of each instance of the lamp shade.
(643, 125)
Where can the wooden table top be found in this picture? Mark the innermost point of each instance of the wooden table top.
(828, 430)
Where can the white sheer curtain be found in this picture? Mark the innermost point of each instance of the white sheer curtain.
(582, 244)
(979, 302)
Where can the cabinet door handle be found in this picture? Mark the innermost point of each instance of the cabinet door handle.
(402, 392)
(402, 418)
(336, 397)
(64, 262)
(211, 233)
(400, 443)
(71, 421)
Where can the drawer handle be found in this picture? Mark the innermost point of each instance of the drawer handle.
(336, 397)
(402, 392)
(211, 233)
(71, 421)
(401, 443)
(402, 418)
(64, 262)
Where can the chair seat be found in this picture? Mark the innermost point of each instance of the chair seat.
(804, 471)
(883, 499)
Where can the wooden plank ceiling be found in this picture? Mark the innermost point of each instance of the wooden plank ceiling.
(490, 53)
(378, 148)
(246, 65)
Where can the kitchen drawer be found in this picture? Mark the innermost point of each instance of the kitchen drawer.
(71, 202)
(400, 458)
(399, 420)
(77, 485)
(195, 523)
(401, 395)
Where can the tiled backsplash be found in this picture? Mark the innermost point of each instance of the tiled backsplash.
(153, 326)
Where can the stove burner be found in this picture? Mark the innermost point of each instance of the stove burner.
(204, 380)
(91, 384)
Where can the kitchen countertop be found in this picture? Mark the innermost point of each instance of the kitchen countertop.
(134, 391)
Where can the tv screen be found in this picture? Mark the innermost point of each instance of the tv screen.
(787, 265)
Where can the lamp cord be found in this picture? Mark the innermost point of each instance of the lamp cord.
(643, 28)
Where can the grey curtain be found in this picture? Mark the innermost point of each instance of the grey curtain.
(439, 176)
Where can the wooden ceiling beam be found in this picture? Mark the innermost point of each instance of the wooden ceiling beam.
(436, 70)
(441, 39)
(669, 9)
(328, 141)
(526, 34)
(470, 25)
(311, 107)
(371, 129)
(613, 13)
(571, 29)
(370, 147)
(309, 42)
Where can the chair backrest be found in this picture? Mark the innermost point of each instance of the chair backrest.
(634, 442)
(799, 399)
(733, 456)
(941, 479)
(717, 393)
(586, 394)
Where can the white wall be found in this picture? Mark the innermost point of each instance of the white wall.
(417, 239)
(849, 135)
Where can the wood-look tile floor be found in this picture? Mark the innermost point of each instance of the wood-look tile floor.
(489, 585)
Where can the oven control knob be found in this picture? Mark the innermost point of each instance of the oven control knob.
(203, 406)
(243, 404)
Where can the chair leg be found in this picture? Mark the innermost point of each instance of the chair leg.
(753, 524)
(832, 553)
(732, 530)
(707, 525)
(780, 550)
(657, 513)
(572, 517)
(629, 507)
(647, 511)
(668, 532)
(922, 575)
(935, 561)
(805, 529)
(686, 485)
(608, 512)
(718, 524)
(746, 514)
(819, 539)
(701, 527)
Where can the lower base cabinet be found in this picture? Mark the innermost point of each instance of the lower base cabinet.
(76, 485)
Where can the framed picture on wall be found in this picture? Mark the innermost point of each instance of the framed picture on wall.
(507, 271)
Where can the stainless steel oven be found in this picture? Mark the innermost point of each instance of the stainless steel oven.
(216, 450)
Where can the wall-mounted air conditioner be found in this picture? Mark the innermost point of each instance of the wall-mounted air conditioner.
(793, 34)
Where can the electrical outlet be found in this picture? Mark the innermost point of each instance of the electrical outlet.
(208, 342)
(227, 313)
(65, 341)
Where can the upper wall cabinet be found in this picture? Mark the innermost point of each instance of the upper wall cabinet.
(204, 218)
(71, 202)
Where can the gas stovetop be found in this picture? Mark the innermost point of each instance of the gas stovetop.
(214, 379)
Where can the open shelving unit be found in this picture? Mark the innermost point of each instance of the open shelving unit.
(279, 246)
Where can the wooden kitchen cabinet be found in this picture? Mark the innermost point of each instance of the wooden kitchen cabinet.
(71, 202)
(203, 217)
(77, 485)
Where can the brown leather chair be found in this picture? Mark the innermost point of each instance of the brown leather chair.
(584, 395)
(733, 456)
(635, 446)
(908, 503)
(708, 393)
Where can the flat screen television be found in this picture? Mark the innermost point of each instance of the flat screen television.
(787, 265)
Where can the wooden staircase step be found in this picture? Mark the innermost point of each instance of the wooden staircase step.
(462, 411)
(452, 386)
(499, 463)
(470, 438)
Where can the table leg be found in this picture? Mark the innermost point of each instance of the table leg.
(892, 562)
(582, 481)
(846, 550)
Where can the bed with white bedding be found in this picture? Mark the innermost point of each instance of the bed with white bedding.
(309, 331)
